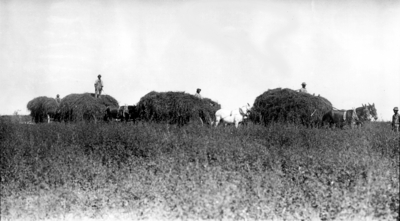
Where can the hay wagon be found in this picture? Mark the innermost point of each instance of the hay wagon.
(42, 109)
(176, 108)
(289, 106)
(72, 108)
(85, 107)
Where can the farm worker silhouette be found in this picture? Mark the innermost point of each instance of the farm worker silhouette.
(198, 93)
(98, 86)
(303, 89)
(395, 119)
(58, 100)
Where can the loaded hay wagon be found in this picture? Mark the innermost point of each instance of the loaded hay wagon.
(176, 108)
(42, 109)
(85, 107)
(286, 105)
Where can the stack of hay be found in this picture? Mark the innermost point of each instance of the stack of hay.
(79, 107)
(40, 107)
(286, 105)
(176, 108)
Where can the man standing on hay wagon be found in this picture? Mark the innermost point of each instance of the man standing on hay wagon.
(198, 93)
(395, 120)
(303, 89)
(98, 86)
(58, 100)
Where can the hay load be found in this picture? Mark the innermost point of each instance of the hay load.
(176, 108)
(286, 105)
(42, 106)
(79, 107)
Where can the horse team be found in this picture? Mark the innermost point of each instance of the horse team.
(354, 117)
(339, 118)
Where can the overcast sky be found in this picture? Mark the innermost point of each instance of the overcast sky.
(346, 51)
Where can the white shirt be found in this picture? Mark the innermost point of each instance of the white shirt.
(303, 90)
(98, 83)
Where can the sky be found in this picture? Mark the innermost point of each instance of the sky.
(346, 51)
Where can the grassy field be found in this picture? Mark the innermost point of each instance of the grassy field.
(163, 172)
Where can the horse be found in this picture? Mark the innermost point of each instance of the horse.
(128, 113)
(232, 116)
(54, 116)
(366, 113)
(340, 118)
(111, 113)
(371, 109)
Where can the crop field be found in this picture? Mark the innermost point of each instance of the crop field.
(148, 171)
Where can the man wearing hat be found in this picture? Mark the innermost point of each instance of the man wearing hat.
(98, 86)
(395, 119)
(198, 93)
(303, 89)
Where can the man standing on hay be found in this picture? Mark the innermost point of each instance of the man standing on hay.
(303, 89)
(58, 100)
(98, 86)
(198, 93)
(395, 120)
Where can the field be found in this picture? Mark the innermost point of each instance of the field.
(145, 171)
